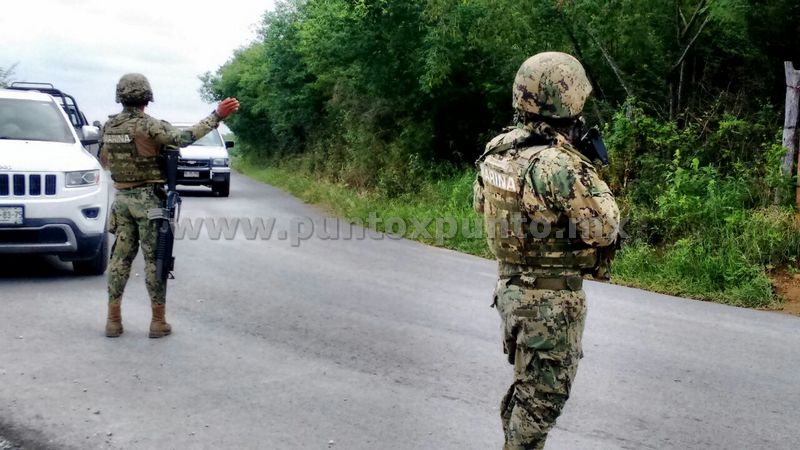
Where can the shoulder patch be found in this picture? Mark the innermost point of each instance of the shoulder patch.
(563, 181)
(537, 179)
(498, 179)
(117, 139)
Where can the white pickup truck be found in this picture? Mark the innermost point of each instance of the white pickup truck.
(206, 163)
(54, 197)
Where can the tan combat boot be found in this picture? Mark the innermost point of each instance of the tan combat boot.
(159, 326)
(114, 322)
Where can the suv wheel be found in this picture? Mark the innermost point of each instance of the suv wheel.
(95, 266)
(223, 189)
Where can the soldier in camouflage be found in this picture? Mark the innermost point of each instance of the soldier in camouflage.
(131, 146)
(550, 221)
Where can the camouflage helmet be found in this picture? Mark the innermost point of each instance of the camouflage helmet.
(133, 88)
(551, 84)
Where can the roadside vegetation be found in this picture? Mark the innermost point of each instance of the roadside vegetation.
(377, 106)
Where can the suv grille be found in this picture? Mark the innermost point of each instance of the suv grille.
(20, 185)
(189, 164)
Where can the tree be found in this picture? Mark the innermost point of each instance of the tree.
(368, 87)
(6, 74)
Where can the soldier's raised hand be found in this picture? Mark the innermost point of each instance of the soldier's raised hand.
(227, 107)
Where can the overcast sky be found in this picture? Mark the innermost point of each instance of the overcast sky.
(84, 46)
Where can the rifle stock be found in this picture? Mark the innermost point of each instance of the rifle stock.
(591, 144)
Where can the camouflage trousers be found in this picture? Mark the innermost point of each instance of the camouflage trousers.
(542, 331)
(132, 228)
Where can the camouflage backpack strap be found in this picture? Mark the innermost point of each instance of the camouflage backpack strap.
(571, 149)
(512, 138)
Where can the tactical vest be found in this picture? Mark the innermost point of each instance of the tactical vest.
(512, 236)
(125, 162)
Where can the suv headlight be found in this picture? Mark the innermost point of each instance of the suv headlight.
(219, 162)
(82, 178)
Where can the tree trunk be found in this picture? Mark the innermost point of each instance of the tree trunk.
(791, 122)
(610, 62)
(679, 99)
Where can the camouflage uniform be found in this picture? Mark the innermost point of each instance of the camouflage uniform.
(131, 144)
(546, 213)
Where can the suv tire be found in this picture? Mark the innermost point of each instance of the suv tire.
(96, 265)
(223, 189)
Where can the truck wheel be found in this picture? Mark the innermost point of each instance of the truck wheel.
(95, 266)
(223, 189)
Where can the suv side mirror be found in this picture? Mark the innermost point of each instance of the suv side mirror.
(229, 144)
(89, 135)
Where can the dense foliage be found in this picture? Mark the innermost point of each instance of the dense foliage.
(431, 78)
(386, 96)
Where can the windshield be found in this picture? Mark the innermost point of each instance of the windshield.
(212, 139)
(33, 120)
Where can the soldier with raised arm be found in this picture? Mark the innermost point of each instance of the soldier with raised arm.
(131, 147)
(550, 220)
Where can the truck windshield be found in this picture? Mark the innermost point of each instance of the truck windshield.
(33, 120)
(212, 139)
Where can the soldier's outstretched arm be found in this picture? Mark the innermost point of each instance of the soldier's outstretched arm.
(572, 186)
(166, 134)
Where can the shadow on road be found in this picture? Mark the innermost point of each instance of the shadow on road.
(196, 193)
(33, 266)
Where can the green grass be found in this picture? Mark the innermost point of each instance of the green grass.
(727, 262)
(450, 198)
(688, 269)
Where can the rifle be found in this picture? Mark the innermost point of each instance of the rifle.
(167, 216)
(592, 146)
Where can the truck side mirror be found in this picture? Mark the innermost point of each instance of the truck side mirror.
(89, 135)
(229, 144)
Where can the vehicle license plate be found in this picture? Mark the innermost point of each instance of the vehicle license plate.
(12, 215)
(191, 174)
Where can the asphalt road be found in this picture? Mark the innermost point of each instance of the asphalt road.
(366, 344)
